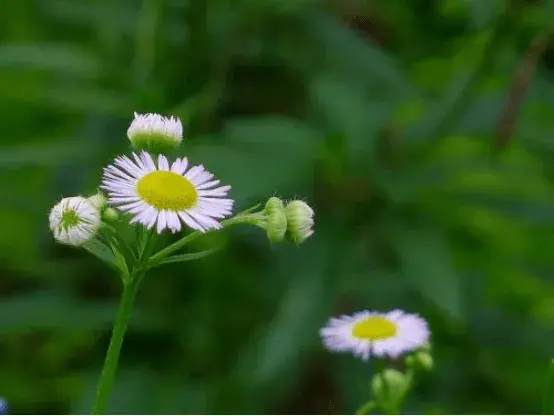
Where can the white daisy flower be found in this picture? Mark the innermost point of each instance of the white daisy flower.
(74, 221)
(164, 195)
(155, 132)
(372, 333)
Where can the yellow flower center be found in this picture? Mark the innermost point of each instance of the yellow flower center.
(374, 328)
(167, 190)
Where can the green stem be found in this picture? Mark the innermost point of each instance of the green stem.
(107, 378)
(366, 408)
(160, 255)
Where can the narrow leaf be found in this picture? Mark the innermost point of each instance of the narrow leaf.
(249, 210)
(101, 251)
(189, 256)
(427, 266)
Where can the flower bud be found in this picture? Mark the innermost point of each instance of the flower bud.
(300, 220)
(74, 221)
(110, 214)
(155, 133)
(389, 387)
(421, 360)
(99, 201)
(276, 220)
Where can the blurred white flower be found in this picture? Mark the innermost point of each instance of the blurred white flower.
(74, 221)
(154, 132)
(372, 333)
(164, 195)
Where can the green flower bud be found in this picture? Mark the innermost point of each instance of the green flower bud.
(300, 220)
(421, 360)
(275, 220)
(110, 214)
(389, 387)
(99, 201)
(155, 133)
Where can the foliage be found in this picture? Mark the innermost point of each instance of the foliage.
(384, 114)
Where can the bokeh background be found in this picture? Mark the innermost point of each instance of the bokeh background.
(421, 131)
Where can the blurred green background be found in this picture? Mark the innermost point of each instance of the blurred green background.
(393, 118)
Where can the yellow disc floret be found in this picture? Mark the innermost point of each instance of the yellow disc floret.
(374, 328)
(165, 190)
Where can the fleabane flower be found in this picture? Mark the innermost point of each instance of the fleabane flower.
(372, 333)
(166, 196)
(155, 133)
(300, 221)
(74, 221)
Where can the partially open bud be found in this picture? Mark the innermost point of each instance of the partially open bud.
(74, 221)
(300, 220)
(155, 133)
(276, 220)
(389, 387)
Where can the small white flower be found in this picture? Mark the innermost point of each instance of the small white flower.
(372, 333)
(74, 221)
(166, 195)
(300, 220)
(155, 132)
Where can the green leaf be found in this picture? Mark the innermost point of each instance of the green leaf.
(482, 13)
(61, 58)
(121, 262)
(362, 63)
(42, 154)
(309, 289)
(346, 110)
(248, 210)
(189, 256)
(102, 252)
(51, 310)
(548, 398)
(426, 263)
(257, 149)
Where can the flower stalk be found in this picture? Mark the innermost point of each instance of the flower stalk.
(109, 370)
(172, 248)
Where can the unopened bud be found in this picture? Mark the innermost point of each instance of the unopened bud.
(420, 359)
(74, 221)
(276, 220)
(389, 387)
(98, 200)
(300, 221)
(155, 133)
(110, 214)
